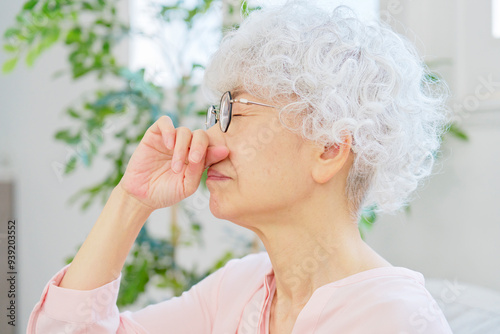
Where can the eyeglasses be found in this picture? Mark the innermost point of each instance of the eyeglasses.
(225, 112)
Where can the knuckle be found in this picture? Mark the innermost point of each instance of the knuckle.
(182, 136)
(183, 129)
(200, 135)
(199, 144)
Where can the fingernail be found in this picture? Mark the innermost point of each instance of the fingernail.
(177, 166)
(195, 156)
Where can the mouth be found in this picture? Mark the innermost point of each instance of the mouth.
(214, 175)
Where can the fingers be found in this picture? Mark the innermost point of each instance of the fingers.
(164, 127)
(182, 141)
(189, 148)
(199, 144)
(195, 144)
(210, 156)
(196, 165)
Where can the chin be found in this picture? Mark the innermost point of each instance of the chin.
(215, 207)
(219, 210)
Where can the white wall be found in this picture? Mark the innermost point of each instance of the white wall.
(454, 226)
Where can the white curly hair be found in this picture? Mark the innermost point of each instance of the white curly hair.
(340, 73)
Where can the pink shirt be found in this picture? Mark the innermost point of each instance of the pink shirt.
(237, 299)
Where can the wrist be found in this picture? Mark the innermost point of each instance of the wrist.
(128, 204)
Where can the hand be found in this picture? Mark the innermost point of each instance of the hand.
(150, 177)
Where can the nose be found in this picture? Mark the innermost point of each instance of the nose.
(214, 132)
(217, 148)
(215, 136)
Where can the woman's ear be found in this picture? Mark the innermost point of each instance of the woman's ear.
(331, 159)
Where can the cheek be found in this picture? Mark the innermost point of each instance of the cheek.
(288, 164)
(280, 165)
(265, 152)
(243, 155)
(250, 147)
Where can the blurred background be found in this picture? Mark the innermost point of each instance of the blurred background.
(83, 80)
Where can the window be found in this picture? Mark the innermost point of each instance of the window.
(167, 52)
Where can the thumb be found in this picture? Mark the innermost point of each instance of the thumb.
(215, 154)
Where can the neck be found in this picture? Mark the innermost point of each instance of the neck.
(310, 249)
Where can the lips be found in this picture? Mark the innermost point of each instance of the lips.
(213, 173)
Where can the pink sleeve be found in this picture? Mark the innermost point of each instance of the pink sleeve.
(62, 310)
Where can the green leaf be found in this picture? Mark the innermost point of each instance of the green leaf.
(65, 135)
(32, 55)
(106, 47)
(11, 32)
(103, 23)
(48, 9)
(9, 65)
(135, 278)
(10, 48)
(87, 6)
(49, 37)
(79, 71)
(70, 165)
(459, 133)
(73, 113)
(246, 10)
(30, 4)
(204, 177)
(87, 203)
(68, 259)
(367, 219)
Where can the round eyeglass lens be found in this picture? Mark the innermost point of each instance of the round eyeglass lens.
(211, 117)
(225, 111)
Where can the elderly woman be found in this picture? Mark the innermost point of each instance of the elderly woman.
(320, 116)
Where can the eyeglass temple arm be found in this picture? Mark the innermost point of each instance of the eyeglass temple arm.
(245, 101)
